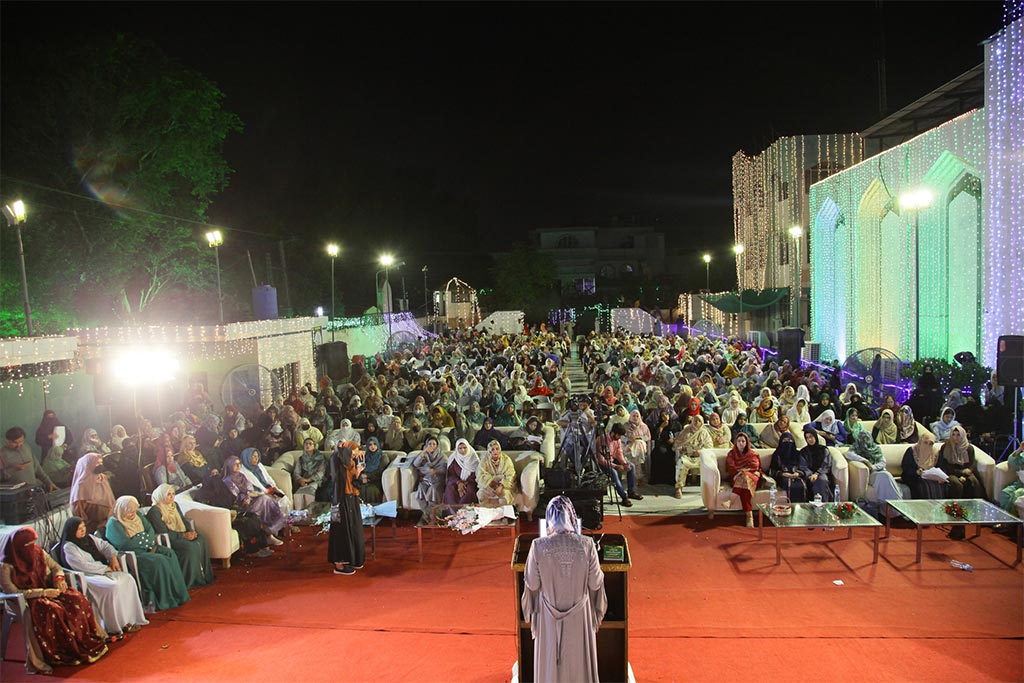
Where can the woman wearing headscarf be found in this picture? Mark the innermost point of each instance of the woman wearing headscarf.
(160, 576)
(308, 475)
(885, 430)
(882, 485)
(765, 410)
(721, 435)
(57, 467)
(495, 477)
(192, 462)
(189, 546)
(818, 462)
(65, 631)
(394, 436)
(508, 417)
(117, 436)
(258, 475)
(374, 463)
(253, 500)
(165, 469)
(824, 403)
(889, 402)
(488, 433)
(688, 444)
(430, 463)
(802, 392)
(943, 427)
(770, 435)
(92, 443)
(111, 590)
(916, 461)
(830, 429)
(907, 424)
(46, 433)
(91, 496)
(732, 410)
(460, 485)
(956, 458)
(799, 413)
(344, 432)
(663, 457)
(787, 400)
(789, 470)
(346, 548)
(564, 598)
(846, 398)
(619, 416)
(743, 467)
(853, 424)
(741, 426)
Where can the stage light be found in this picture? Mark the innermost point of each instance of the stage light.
(144, 366)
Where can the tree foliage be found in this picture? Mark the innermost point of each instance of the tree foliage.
(122, 122)
(971, 375)
(525, 281)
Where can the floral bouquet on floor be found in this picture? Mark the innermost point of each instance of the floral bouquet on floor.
(470, 518)
(956, 510)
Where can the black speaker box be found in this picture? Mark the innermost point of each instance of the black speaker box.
(334, 357)
(1010, 360)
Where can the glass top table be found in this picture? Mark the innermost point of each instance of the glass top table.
(812, 516)
(978, 513)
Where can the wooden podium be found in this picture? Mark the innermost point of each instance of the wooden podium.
(612, 636)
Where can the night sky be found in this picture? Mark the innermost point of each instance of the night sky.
(441, 131)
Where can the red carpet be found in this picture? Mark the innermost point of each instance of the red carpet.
(707, 604)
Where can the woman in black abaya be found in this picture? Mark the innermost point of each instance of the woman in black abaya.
(346, 547)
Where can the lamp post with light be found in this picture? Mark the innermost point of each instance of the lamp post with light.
(332, 250)
(707, 269)
(738, 249)
(15, 215)
(796, 232)
(916, 200)
(215, 239)
(387, 260)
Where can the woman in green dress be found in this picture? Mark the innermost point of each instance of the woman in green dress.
(163, 585)
(190, 547)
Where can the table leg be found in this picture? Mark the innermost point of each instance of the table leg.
(977, 530)
(373, 541)
(875, 560)
(760, 524)
(919, 530)
(888, 519)
(778, 548)
(849, 532)
(419, 541)
(394, 528)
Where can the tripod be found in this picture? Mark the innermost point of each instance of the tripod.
(1013, 441)
(583, 457)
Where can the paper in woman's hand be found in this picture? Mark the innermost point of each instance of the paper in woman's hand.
(935, 474)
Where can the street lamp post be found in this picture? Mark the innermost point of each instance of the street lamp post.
(215, 239)
(738, 250)
(15, 215)
(707, 268)
(916, 200)
(796, 232)
(332, 251)
(387, 260)
(426, 297)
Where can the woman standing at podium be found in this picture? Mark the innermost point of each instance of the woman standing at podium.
(564, 598)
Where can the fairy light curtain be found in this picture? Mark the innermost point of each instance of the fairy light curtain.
(864, 247)
(770, 195)
(461, 305)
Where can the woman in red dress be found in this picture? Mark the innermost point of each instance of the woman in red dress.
(744, 468)
(65, 631)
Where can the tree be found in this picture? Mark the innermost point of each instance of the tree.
(525, 281)
(144, 135)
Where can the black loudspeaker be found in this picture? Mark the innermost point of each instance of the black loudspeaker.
(1010, 360)
(790, 340)
(334, 359)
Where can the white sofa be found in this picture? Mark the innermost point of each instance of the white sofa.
(547, 447)
(214, 524)
(1001, 478)
(719, 496)
(894, 452)
(527, 464)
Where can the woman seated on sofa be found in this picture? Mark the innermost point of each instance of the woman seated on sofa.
(743, 468)
(529, 437)
(460, 486)
(956, 458)
(818, 462)
(192, 462)
(254, 500)
(771, 434)
(789, 470)
(487, 433)
(258, 475)
(885, 430)
(369, 481)
(916, 461)
(830, 430)
(882, 485)
(110, 588)
(430, 463)
(189, 546)
(721, 435)
(65, 631)
(495, 478)
(159, 573)
(943, 427)
(308, 476)
(907, 424)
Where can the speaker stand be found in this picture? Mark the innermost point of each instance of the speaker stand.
(1014, 440)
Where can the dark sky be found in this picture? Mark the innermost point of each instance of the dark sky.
(396, 125)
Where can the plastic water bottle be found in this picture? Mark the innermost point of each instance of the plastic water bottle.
(962, 565)
(835, 494)
(771, 496)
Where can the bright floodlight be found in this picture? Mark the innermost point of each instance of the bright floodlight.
(796, 232)
(737, 249)
(319, 311)
(387, 260)
(144, 366)
(333, 250)
(215, 238)
(14, 212)
(916, 199)
(707, 258)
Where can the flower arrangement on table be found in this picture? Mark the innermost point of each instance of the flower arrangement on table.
(469, 518)
(956, 510)
(845, 510)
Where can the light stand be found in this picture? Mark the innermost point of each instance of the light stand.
(332, 251)
(15, 215)
(215, 239)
